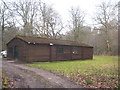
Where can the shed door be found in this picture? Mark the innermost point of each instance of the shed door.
(16, 52)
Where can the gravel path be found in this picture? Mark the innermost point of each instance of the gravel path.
(30, 77)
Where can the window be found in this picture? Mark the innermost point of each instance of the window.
(75, 50)
(60, 49)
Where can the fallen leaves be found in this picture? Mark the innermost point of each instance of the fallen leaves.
(6, 82)
(95, 80)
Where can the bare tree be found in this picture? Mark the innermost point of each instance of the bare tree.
(104, 17)
(26, 12)
(50, 24)
(35, 18)
(7, 22)
(4, 15)
(76, 22)
(54, 22)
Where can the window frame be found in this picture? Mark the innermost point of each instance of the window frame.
(60, 49)
(75, 50)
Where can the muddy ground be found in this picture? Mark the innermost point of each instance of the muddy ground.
(30, 77)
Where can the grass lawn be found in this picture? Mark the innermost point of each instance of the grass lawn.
(101, 72)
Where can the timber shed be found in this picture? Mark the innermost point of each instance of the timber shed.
(30, 49)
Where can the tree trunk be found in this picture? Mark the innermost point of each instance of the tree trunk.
(109, 49)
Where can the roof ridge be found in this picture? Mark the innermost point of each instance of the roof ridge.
(49, 40)
(44, 38)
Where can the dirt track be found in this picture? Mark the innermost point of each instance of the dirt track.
(30, 77)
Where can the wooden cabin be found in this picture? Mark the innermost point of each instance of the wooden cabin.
(30, 49)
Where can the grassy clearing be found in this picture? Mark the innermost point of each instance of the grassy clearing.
(101, 72)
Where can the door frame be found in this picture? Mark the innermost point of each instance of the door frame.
(16, 52)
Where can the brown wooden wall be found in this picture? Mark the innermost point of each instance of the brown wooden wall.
(22, 49)
(77, 56)
(39, 52)
(66, 55)
(83, 53)
(87, 53)
(53, 53)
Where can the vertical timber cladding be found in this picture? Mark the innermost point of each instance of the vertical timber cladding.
(76, 52)
(53, 53)
(65, 55)
(38, 52)
(87, 53)
(21, 45)
(10, 52)
(40, 49)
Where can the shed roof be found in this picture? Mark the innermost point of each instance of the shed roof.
(40, 40)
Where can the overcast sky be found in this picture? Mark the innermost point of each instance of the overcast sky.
(63, 7)
(88, 6)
